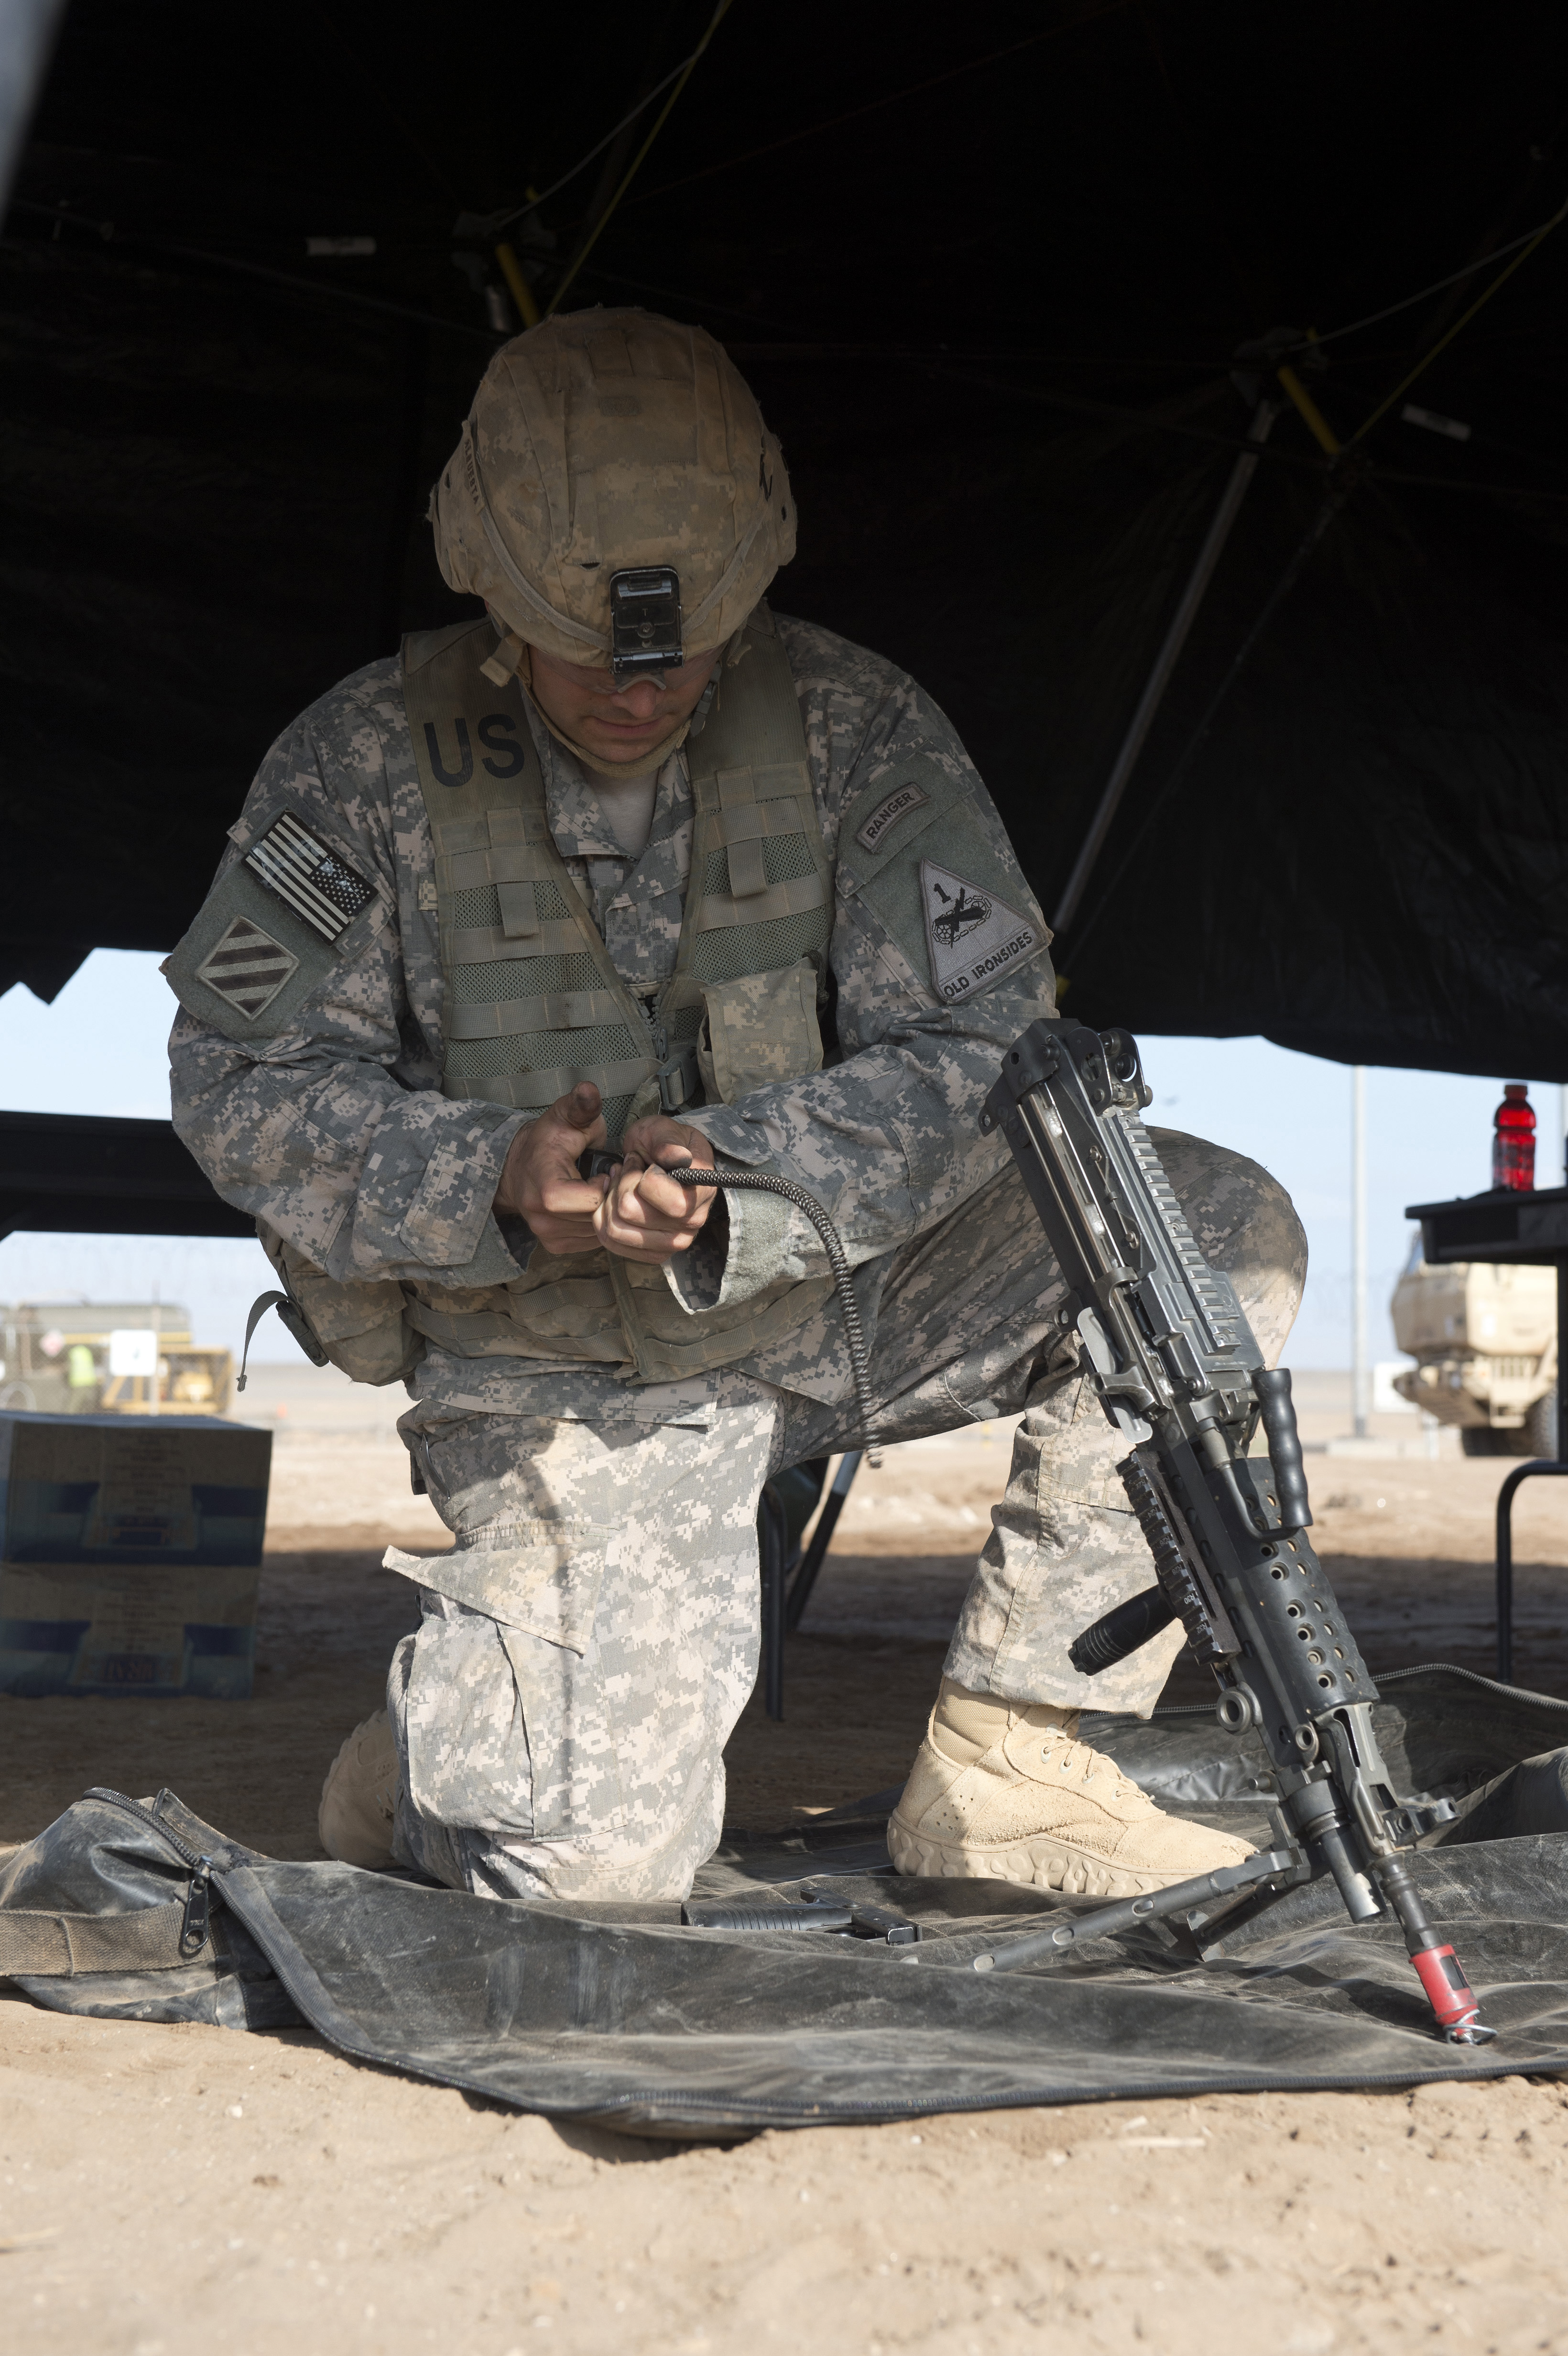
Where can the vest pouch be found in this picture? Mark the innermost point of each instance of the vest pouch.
(362, 1327)
(669, 1344)
(559, 1308)
(759, 1030)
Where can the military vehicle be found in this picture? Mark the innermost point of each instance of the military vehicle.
(55, 1360)
(1485, 1341)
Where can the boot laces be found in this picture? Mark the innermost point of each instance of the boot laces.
(1078, 1761)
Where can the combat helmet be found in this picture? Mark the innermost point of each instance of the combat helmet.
(606, 446)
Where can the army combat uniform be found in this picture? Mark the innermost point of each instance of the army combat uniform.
(596, 1436)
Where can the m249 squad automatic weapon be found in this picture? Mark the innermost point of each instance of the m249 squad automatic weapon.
(1180, 1376)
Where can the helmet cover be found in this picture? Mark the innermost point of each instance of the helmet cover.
(605, 440)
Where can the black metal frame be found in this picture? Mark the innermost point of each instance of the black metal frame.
(788, 1579)
(1527, 1230)
(81, 1174)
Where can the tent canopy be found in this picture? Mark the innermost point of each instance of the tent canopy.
(990, 278)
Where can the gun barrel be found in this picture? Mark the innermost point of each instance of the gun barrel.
(1356, 1891)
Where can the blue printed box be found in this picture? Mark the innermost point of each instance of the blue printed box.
(131, 1554)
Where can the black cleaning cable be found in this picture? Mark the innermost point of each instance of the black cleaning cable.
(694, 1174)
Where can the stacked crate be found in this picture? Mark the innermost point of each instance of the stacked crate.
(130, 1554)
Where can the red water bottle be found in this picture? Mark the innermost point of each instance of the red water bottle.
(1514, 1140)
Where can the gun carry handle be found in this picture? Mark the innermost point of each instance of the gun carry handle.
(1272, 1389)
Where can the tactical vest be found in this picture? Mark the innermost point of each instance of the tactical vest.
(533, 1002)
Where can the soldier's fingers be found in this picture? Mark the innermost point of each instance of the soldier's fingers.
(631, 1225)
(671, 1200)
(578, 1111)
(572, 1198)
(652, 1243)
(564, 1238)
(648, 1198)
(689, 1146)
(659, 1138)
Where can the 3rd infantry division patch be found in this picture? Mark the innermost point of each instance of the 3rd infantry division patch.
(972, 936)
(248, 967)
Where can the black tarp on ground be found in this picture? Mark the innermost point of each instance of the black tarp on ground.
(619, 2015)
(921, 239)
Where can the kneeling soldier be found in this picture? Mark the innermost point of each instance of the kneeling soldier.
(634, 864)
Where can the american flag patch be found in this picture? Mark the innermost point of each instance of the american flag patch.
(248, 967)
(318, 884)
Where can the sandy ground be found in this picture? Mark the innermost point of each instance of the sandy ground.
(170, 2189)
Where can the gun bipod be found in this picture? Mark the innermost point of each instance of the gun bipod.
(1437, 1968)
(1125, 1914)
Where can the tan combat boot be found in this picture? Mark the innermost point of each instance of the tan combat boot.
(360, 1796)
(1000, 1789)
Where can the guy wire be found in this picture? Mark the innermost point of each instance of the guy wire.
(1333, 501)
(1463, 321)
(1375, 318)
(586, 247)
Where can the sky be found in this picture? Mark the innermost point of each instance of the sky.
(99, 1049)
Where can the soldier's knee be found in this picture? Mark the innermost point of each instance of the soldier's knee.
(1246, 1223)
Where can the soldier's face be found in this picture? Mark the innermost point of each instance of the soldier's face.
(626, 727)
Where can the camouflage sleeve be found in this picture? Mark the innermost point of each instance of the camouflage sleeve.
(940, 954)
(305, 1060)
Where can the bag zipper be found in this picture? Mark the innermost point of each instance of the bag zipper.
(195, 1922)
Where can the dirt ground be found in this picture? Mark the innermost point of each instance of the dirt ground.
(164, 2189)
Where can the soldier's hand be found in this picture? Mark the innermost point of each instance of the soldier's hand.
(539, 1179)
(646, 1215)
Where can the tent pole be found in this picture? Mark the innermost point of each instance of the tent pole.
(27, 34)
(1359, 1248)
(1165, 663)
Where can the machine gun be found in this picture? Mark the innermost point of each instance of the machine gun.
(1180, 1376)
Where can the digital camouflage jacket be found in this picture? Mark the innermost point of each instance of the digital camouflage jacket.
(310, 1088)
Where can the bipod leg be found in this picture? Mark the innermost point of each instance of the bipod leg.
(1156, 1906)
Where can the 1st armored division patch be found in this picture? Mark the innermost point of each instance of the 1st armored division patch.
(972, 936)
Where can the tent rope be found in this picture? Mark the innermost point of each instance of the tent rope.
(1443, 342)
(594, 234)
(1408, 301)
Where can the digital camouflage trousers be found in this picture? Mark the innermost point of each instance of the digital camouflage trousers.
(587, 1646)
